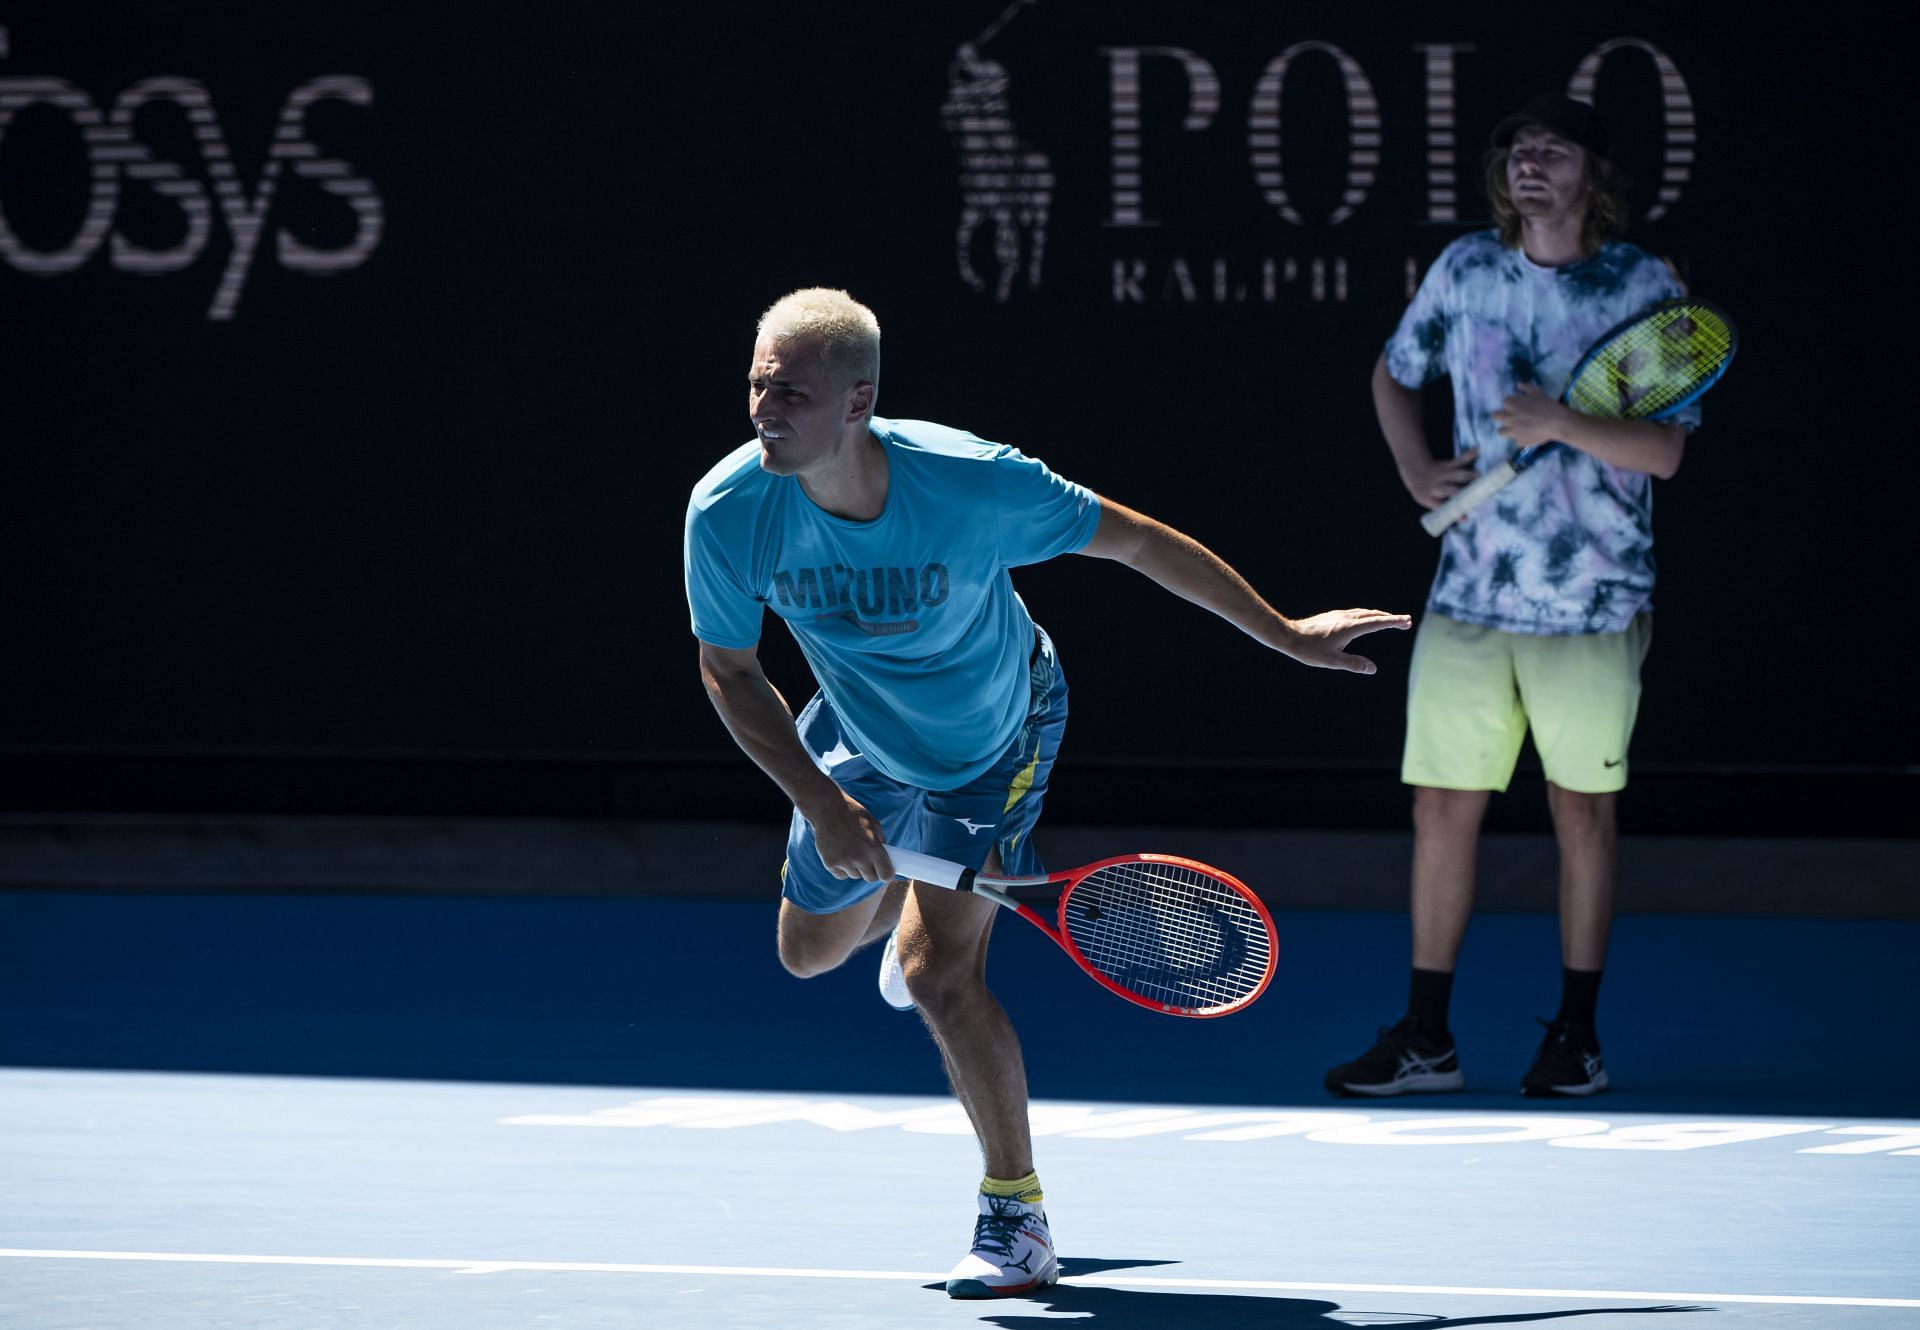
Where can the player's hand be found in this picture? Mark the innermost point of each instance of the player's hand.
(1322, 640)
(1529, 417)
(1433, 480)
(850, 841)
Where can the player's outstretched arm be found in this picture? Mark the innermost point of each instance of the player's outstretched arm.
(1193, 572)
(848, 836)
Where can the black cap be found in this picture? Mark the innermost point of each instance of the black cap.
(1576, 122)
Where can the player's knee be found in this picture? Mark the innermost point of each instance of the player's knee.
(938, 981)
(804, 966)
(1441, 811)
(1574, 811)
(806, 959)
(798, 966)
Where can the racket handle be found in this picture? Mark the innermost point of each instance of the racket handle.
(1469, 498)
(925, 868)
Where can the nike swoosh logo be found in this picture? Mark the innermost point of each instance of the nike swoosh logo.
(1612, 763)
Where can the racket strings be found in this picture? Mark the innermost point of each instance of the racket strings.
(1170, 933)
(1658, 362)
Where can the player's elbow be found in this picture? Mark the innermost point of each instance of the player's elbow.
(721, 669)
(1667, 461)
(1121, 534)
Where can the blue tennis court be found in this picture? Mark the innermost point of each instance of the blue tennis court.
(283, 1109)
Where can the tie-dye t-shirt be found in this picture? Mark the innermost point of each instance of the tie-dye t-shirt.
(1568, 547)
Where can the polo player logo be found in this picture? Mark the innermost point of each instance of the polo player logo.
(1005, 183)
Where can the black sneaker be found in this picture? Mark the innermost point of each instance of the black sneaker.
(1401, 1061)
(1568, 1062)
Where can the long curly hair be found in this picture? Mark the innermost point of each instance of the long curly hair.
(1607, 214)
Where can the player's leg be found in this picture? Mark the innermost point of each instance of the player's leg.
(1583, 695)
(1568, 1061)
(1446, 854)
(942, 945)
(1464, 731)
(943, 941)
(1585, 826)
(1465, 727)
(943, 951)
(812, 944)
(942, 938)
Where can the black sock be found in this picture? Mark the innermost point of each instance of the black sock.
(1427, 1000)
(1579, 996)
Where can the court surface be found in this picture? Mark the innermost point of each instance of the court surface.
(368, 1111)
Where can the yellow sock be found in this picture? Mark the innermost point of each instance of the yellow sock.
(1024, 1190)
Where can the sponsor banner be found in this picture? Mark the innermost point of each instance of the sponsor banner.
(1256, 162)
(161, 175)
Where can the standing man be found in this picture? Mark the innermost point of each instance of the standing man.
(885, 545)
(1539, 615)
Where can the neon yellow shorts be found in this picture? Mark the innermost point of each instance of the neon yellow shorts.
(1473, 693)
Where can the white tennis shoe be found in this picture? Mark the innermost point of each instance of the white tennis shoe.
(1012, 1252)
(893, 982)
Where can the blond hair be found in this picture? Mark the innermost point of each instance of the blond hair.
(849, 333)
(1606, 215)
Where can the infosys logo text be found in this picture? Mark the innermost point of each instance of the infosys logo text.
(118, 161)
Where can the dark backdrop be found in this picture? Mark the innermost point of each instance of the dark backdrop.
(363, 489)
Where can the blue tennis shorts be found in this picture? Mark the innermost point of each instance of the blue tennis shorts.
(998, 808)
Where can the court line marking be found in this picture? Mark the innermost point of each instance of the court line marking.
(1102, 1279)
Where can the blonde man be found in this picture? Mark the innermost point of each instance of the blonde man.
(885, 547)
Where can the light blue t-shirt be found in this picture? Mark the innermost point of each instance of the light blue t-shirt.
(1568, 547)
(910, 621)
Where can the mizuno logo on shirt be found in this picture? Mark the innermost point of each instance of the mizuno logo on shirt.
(868, 593)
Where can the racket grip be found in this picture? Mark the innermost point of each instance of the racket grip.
(925, 868)
(1468, 499)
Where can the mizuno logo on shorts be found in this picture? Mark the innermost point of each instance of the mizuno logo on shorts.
(975, 828)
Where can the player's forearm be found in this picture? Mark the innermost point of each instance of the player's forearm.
(1402, 422)
(1189, 570)
(757, 718)
(1651, 446)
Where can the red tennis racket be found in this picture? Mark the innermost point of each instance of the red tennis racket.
(1169, 934)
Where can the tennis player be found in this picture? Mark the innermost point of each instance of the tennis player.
(1540, 613)
(885, 547)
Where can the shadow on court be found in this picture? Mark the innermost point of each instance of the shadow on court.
(1147, 1309)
